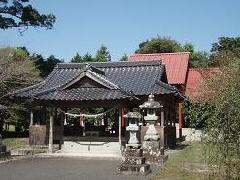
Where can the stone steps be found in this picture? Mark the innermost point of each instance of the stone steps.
(91, 147)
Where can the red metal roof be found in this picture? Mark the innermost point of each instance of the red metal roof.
(196, 78)
(176, 64)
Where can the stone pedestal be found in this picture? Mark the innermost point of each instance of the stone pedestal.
(153, 153)
(3, 149)
(133, 163)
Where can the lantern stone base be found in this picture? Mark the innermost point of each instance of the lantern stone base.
(133, 163)
(153, 154)
(3, 148)
(3, 151)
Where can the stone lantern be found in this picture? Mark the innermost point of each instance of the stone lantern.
(151, 143)
(151, 106)
(133, 128)
(132, 161)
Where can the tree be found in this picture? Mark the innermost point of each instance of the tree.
(166, 45)
(228, 45)
(77, 59)
(225, 50)
(20, 14)
(218, 109)
(17, 71)
(88, 58)
(159, 45)
(45, 66)
(103, 54)
(124, 57)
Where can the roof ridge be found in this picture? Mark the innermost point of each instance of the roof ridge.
(154, 54)
(115, 64)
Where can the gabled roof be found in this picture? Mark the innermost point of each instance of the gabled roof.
(196, 77)
(176, 64)
(103, 81)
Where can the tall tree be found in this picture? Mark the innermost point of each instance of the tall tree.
(45, 66)
(77, 59)
(103, 54)
(228, 45)
(17, 71)
(20, 14)
(159, 45)
(88, 58)
(124, 57)
(225, 50)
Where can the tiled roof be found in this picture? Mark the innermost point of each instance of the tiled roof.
(196, 78)
(112, 80)
(176, 64)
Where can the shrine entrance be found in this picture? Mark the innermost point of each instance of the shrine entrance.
(94, 130)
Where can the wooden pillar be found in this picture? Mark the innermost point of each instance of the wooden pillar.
(50, 142)
(123, 120)
(31, 117)
(162, 138)
(120, 128)
(62, 117)
(180, 118)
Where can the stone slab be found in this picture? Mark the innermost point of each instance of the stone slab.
(128, 169)
(151, 145)
(133, 152)
(153, 157)
(133, 160)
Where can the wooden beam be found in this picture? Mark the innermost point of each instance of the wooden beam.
(50, 142)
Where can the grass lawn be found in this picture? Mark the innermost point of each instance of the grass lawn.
(187, 164)
(15, 143)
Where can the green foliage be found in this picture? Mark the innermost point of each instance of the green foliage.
(159, 45)
(124, 57)
(166, 45)
(45, 66)
(196, 114)
(20, 14)
(88, 58)
(103, 54)
(77, 59)
(225, 50)
(228, 45)
(220, 112)
(17, 71)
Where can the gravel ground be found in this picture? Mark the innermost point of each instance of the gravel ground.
(64, 168)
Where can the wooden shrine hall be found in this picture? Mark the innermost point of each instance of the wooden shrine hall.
(121, 86)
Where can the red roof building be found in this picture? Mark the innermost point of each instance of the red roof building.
(176, 64)
(196, 77)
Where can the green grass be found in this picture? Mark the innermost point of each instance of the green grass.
(187, 164)
(15, 143)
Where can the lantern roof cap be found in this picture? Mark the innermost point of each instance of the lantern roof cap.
(151, 103)
(133, 115)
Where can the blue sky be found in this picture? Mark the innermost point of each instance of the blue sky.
(84, 25)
